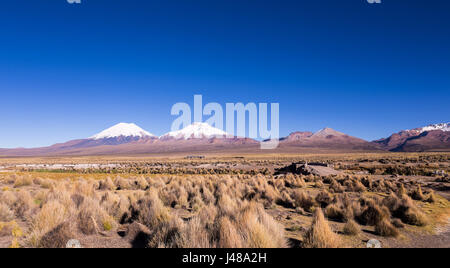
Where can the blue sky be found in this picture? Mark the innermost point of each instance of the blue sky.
(70, 71)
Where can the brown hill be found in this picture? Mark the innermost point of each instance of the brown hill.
(430, 138)
(327, 138)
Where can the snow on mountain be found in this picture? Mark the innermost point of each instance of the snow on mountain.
(122, 130)
(443, 127)
(197, 131)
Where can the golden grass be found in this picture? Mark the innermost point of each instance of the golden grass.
(228, 211)
(320, 234)
(351, 228)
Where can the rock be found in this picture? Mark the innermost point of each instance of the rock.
(317, 169)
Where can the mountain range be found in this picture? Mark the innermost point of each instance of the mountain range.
(129, 139)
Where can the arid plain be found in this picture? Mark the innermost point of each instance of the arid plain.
(227, 201)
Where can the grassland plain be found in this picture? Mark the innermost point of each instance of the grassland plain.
(225, 201)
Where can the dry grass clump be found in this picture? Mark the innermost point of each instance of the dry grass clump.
(319, 185)
(405, 209)
(175, 196)
(23, 204)
(229, 234)
(92, 219)
(431, 197)
(23, 181)
(335, 212)
(107, 185)
(5, 229)
(141, 183)
(336, 187)
(57, 237)
(46, 183)
(418, 194)
(151, 211)
(351, 228)
(116, 205)
(302, 199)
(285, 200)
(261, 229)
(373, 214)
(84, 188)
(320, 234)
(398, 223)
(354, 185)
(401, 190)
(324, 198)
(168, 234)
(6, 214)
(122, 184)
(48, 218)
(385, 228)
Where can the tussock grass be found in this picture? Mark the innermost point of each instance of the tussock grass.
(23, 181)
(385, 228)
(210, 210)
(6, 214)
(320, 234)
(351, 228)
(418, 194)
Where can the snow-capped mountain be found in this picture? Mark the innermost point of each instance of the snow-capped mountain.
(130, 139)
(122, 130)
(443, 127)
(196, 131)
(429, 138)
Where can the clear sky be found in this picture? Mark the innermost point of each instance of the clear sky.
(70, 71)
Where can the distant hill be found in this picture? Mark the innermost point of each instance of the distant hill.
(129, 139)
(431, 138)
